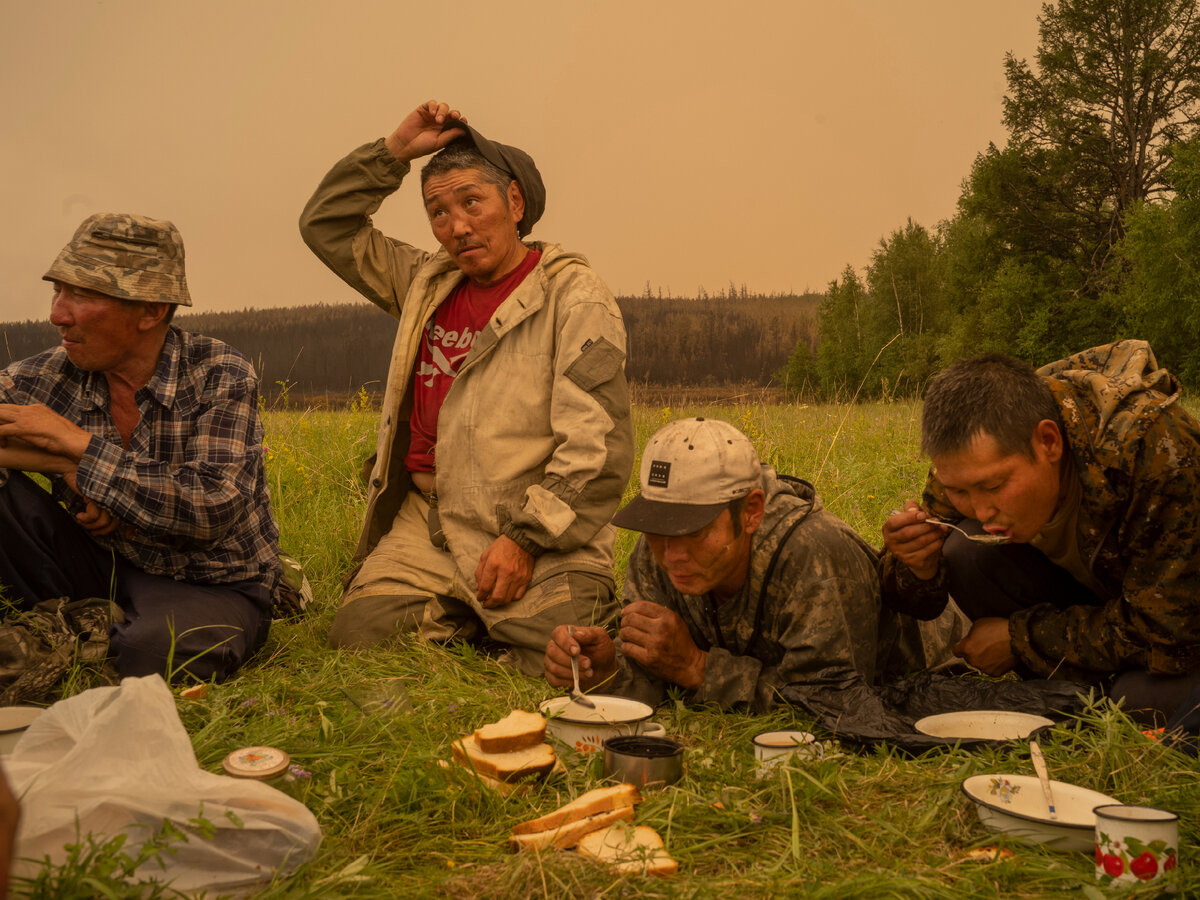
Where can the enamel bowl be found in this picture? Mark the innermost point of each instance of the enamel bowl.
(13, 722)
(982, 725)
(585, 730)
(1015, 805)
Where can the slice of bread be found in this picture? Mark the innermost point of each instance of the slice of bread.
(603, 799)
(528, 762)
(516, 731)
(568, 834)
(625, 848)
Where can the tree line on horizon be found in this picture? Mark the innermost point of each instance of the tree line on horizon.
(337, 350)
(1084, 228)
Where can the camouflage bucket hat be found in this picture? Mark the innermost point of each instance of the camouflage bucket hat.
(125, 256)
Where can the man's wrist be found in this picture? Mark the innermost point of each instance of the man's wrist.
(696, 670)
(522, 540)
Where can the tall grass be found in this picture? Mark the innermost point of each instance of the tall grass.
(861, 822)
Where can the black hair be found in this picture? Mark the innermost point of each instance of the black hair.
(995, 395)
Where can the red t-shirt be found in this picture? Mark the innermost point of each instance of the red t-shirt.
(447, 340)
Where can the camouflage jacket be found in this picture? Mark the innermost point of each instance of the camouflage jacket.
(809, 612)
(1137, 456)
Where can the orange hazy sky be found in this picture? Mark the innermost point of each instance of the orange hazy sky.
(683, 142)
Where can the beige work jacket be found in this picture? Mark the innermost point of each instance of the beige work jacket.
(534, 437)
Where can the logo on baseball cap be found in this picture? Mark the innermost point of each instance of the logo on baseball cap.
(691, 470)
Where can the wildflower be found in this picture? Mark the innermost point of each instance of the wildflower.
(248, 702)
(755, 818)
(299, 771)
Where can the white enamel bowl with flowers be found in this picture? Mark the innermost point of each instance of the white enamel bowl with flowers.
(1015, 804)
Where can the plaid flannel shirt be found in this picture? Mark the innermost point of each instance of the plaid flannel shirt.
(190, 492)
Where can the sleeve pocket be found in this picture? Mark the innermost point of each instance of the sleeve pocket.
(598, 363)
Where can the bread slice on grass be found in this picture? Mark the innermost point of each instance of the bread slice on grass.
(528, 762)
(602, 799)
(568, 834)
(629, 849)
(516, 731)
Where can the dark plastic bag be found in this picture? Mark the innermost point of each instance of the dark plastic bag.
(860, 712)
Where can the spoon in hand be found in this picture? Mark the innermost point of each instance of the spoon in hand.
(985, 538)
(577, 696)
(991, 539)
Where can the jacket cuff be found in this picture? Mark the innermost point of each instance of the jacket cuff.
(516, 535)
(396, 167)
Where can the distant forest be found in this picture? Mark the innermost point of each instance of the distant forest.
(332, 351)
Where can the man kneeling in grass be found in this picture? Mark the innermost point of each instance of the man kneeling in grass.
(1091, 469)
(741, 584)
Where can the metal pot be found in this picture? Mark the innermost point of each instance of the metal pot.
(643, 761)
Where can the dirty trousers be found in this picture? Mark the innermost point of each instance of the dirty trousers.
(407, 585)
(170, 626)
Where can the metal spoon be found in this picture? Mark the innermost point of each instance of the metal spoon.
(993, 539)
(577, 696)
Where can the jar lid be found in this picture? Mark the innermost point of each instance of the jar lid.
(256, 762)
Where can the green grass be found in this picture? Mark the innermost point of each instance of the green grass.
(866, 823)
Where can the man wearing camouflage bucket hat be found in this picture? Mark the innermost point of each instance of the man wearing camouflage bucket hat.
(152, 443)
(508, 368)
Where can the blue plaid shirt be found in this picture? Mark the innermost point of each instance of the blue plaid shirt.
(190, 492)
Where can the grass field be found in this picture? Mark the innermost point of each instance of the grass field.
(869, 823)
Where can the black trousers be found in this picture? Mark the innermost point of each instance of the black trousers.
(999, 580)
(171, 627)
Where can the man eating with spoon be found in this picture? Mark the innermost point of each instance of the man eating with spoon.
(1091, 469)
(742, 586)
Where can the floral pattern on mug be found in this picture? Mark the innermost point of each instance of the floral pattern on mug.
(1133, 859)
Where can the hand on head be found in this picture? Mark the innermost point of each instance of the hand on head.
(421, 131)
(594, 650)
(913, 541)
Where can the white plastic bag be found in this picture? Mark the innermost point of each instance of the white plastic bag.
(118, 759)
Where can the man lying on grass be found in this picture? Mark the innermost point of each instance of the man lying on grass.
(506, 440)
(151, 440)
(1091, 469)
(741, 584)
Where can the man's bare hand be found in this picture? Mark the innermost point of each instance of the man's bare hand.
(987, 646)
(503, 573)
(594, 650)
(421, 131)
(657, 639)
(20, 456)
(97, 520)
(913, 541)
(43, 429)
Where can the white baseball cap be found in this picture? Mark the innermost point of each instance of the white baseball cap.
(691, 470)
